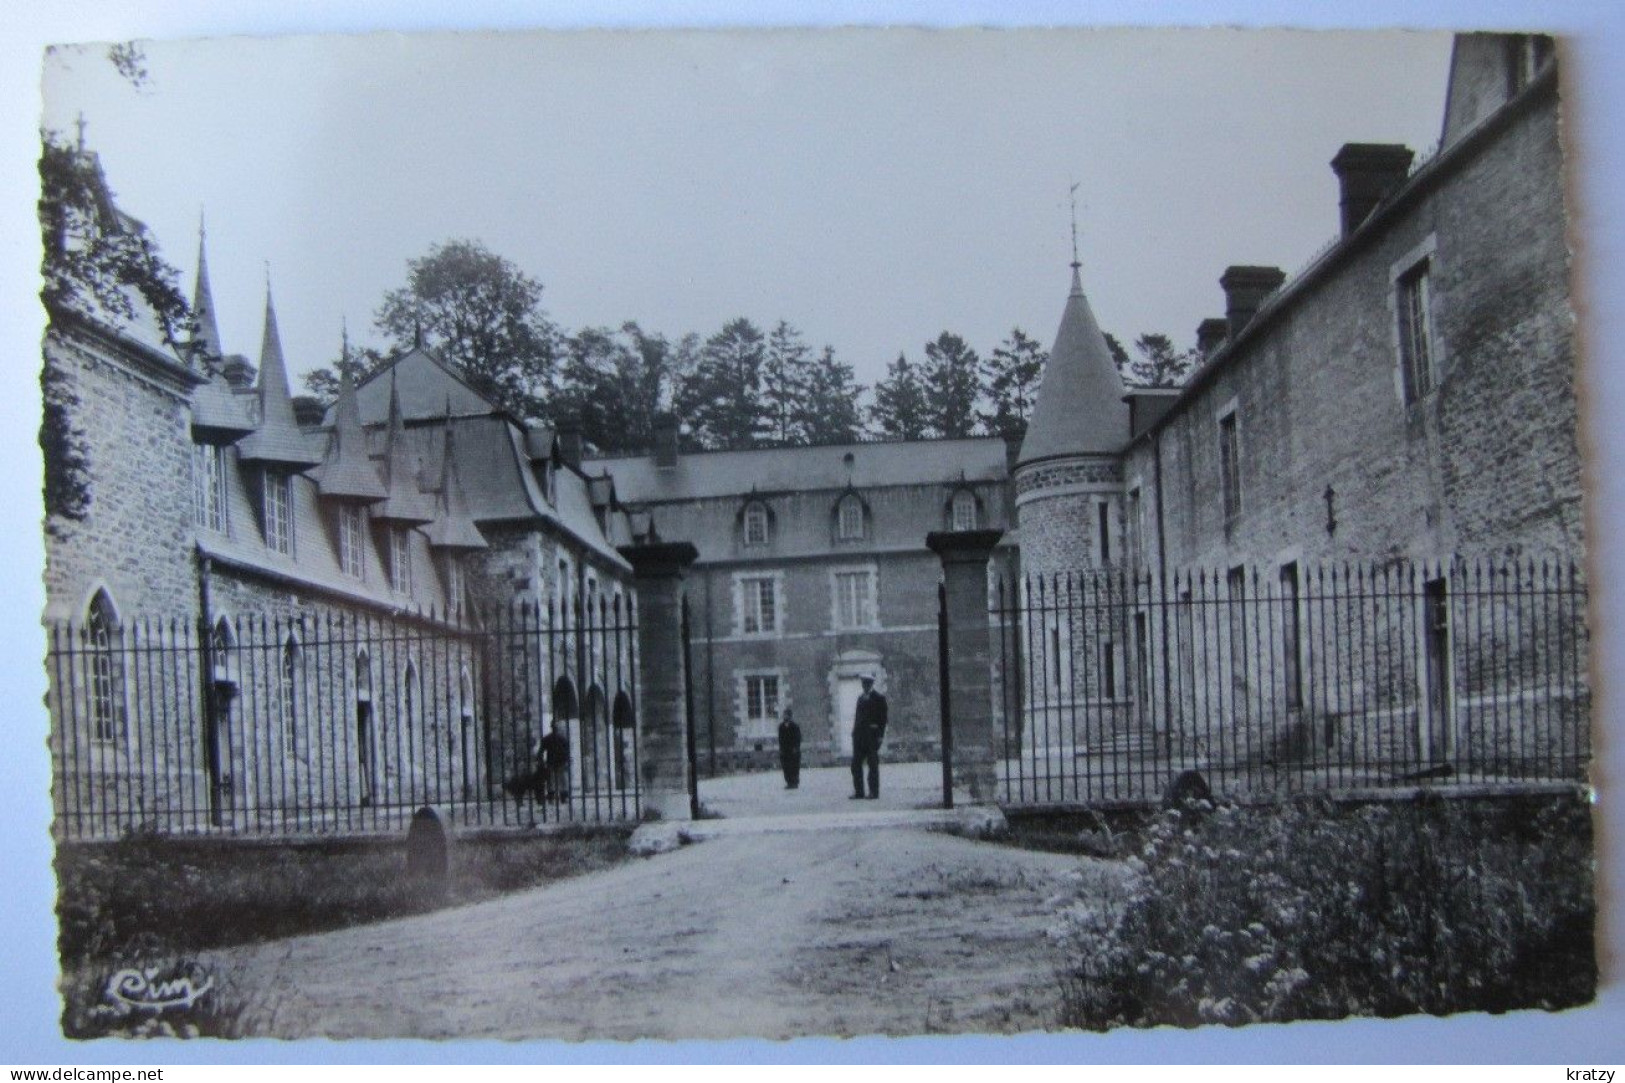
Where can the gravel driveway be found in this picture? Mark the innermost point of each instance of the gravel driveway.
(830, 929)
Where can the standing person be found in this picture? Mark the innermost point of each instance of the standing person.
(555, 754)
(790, 750)
(868, 731)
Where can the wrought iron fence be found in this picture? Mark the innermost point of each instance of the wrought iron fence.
(1110, 684)
(337, 723)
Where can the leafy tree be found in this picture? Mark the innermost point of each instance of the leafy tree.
(480, 313)
(786, 365)
(1012, 373)
(828, 413)
(900, 410)
(1119, 355)
(952, 380)
(323, 382)
(721, 395)
(98, 265)
(98, 262)
(613, 382)
(1159, 363)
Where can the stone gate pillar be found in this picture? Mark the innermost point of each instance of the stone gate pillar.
(662, 721)
(964, 555)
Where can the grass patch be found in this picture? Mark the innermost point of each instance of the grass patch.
(184, 896)
(1312, 911)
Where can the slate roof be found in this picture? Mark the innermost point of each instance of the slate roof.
(453, 526)
(348, 473)
(277, 437)
(219, 413)
(405, 501)
(876, 465)
(425, 386)
(1080, 408)
(206, 343)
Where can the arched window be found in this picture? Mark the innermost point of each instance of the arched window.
(364, 736)
(849, 518)
(292, 666)
(756, 526)
(963, 510)
(106, 669)
(411, 695)
(223, 644)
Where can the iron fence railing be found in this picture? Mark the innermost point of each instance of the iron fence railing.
(338, 723)
(1109, 684)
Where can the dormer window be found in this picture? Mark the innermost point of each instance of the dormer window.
(352, 541)
(756, 524)
(849, 519)
(962, 514)
(279, 512)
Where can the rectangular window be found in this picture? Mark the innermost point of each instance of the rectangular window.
(1104, 514)
(964, 511)
(854, 595)
(760, 605)
(352, 541)
(1230, 467)
(1291, 637)
(756, 525)
(279, 512)
(1135, 540)
(1108, 670)
(762, 698)
(1236, 584)
(455, 588)
(209, 487)
(400, 558)
(1415, 333)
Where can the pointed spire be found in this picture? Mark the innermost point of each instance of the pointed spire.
(1080, 408)
(347, 473)
(206, 346)
(277, 439)
(406, 502)
(453, 527)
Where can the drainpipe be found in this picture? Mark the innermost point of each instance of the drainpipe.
(1162, 591)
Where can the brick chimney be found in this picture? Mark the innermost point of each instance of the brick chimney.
(237, 370)
(1367, 174)
(307, 411)
(1210, 335)
(1245, 289)
(665, 426)
(569, 433)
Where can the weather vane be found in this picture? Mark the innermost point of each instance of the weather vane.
(1073, 192)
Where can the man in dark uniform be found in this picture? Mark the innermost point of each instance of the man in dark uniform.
(555, 765)
(868, 731)
(790, 750)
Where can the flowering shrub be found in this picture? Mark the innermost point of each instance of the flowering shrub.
(1307, 911)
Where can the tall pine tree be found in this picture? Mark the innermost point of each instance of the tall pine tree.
(900, 410)
(952, 379)
(786, 365)
(1012, 373)
(829, 412)
(721, 396)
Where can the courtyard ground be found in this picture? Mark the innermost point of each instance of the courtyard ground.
(818, 923)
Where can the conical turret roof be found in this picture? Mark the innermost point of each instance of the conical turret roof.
(276, 438)
(405, 502)
(1080, 408)
(453, 526)
(206, 346)
(347, 473)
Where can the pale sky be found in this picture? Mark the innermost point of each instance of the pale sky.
(874, 187)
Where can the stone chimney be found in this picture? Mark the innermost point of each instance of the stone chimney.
(1210, 335)
(569, 431)
(307, 411)
(237, 371)
(1245, 289)
(665, 426)
(1367, 174)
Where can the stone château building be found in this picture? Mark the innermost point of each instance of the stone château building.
(1408, 395)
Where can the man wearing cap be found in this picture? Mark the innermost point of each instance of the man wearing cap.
(868, 731)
